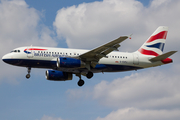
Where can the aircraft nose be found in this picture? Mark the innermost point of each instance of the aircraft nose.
(4, 58)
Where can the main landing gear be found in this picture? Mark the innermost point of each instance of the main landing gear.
(28, 75)
(89, 75)
(81, 82)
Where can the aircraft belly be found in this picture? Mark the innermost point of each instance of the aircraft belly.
(52, 65)
(32, 63)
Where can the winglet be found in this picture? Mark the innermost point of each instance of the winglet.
(130, 36)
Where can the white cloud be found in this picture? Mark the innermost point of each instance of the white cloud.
(138, 114)
(152, 94)
(20, 26)
(89, 25)
(151, 89)
(97, 22)
(154, 88)
(45, 117)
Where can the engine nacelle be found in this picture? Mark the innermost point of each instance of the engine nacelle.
(56, 75)
(69, 62)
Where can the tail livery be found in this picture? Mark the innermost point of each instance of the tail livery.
(155, 44)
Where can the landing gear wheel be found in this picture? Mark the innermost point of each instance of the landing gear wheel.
(89, 75)
(28, 76)
(81, 82)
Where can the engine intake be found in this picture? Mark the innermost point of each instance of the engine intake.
(69, 62)
(56, 75)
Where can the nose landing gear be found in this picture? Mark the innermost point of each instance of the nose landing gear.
(28, 75)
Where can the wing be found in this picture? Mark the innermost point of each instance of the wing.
(93, 56)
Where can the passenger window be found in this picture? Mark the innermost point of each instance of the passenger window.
(18, 50)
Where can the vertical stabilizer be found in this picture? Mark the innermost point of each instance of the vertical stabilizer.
(155, 43)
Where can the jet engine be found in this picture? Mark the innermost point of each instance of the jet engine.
(69, 62)
(56, 75)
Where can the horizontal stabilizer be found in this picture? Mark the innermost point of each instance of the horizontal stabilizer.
(163, 56)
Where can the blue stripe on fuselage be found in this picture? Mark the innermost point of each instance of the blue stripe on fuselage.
(52, 65)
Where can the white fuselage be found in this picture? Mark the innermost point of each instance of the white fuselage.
(46, 57)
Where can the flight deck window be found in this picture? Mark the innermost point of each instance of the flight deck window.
(18, 50)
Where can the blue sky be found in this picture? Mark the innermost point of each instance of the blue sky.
(88, 24)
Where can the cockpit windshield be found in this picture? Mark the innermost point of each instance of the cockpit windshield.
(16, 51)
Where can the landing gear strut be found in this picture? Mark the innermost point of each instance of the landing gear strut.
(28, 75)
(80, 82)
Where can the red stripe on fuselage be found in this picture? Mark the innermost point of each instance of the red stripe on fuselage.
(147, 52)
(161, 35)
(34, 49)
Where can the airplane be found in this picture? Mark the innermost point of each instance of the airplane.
(64, 62)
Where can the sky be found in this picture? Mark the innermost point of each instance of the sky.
(147, 94)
